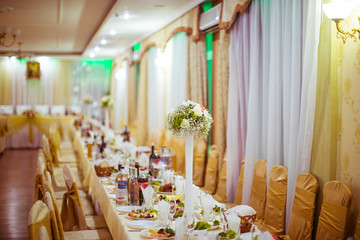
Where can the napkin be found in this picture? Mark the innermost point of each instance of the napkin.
(179, 186)
(196, 198)
(180, 228)
(242, 210)
(144, 159)
(164, 212)
(148, 194)
(265, 236)
(208, 204)
(233, 221)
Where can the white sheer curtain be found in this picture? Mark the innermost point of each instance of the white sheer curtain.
(121, 100)
(175, 64)
(156, 94)
(272, 87)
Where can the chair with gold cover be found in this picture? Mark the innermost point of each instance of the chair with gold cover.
(221, 195)
(39, 181)
(60, 156)
(274, 220)
(240, 183)
(39, 216)
(357, 230)
(258, 190)
(302, 214)
(199, 162)
(211, 174)
(334, 210)
(178, 146)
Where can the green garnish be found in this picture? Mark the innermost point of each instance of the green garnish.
(114, 171)
(170, 231)
(181, 204)
(202, 225)
(229, 234)
(216, 208)
(216, 223)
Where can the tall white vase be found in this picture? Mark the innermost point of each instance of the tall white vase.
(107, 117)
(189, 205)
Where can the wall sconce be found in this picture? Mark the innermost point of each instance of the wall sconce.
(4, 32)
(337, 11)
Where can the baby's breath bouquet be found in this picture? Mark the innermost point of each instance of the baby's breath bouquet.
(107, 102)
(88, 100)
(189, 118)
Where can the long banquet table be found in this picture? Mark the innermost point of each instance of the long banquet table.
(117, 222)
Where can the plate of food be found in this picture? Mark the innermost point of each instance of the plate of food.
(229, 234)
(127, 209)
(143, 214)
(142, 224)
(158, 233)
(166, 189)
(200, 225)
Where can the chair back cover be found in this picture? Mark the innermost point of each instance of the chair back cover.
(39, 182)
(72, 214)
(302, 214)
(274, 220)
(334, 210)
(43, 233)
(7, 109)
(221, 195)
(42, 109)
(178, 145)
(240, 183)
(22, 108)
(199, 162)
(49, 189)
(211, 173)
(39, 216)
(258, 190)
(357, 230)
(54, 227)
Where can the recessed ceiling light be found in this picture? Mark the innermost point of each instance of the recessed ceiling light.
(97, 49)
(112, 32)
(92, 55)
(103, 42)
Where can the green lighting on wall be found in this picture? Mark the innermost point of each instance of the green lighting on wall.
(136, 47)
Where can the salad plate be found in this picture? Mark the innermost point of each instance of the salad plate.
(142, 224)
(158, 233)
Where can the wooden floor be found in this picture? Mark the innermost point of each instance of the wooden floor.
(17, 172)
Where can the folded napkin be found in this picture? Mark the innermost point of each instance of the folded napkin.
(233, 222)
(148, 194)
(180, 228)
(207, 203)
(167, 176)
(179, 186)
(164, 212)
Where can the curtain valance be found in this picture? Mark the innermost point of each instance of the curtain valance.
(189, 23)
(229, 11)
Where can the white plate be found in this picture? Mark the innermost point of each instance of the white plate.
(142, 224)
(127, 208)
(134, 218)
(212, 226)
(247, 236)
(146, 234)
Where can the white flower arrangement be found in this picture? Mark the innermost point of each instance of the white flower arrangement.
(189, 118)
(107, 102)
(88, 100)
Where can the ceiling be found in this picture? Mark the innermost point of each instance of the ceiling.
(75, 28)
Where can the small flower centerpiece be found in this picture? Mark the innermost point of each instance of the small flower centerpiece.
(106, 102)
(190, 118)
(30, 113)
(88, 100)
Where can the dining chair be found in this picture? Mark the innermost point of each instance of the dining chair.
(221, 195)
(240, 183)
(274, 220)
(59, 155)
(178, 145)
(39, 216)
(334, 210)
(39, 181)
(211, 174)
(302, 214)
(357, 230)
(199, 162)
(258, 190)
(43, 233)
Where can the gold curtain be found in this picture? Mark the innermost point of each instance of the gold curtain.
(196, 87)
(220, 92)
(229, 11)
(132, 95)
(142, 107)
(5, 82)
(63, 84)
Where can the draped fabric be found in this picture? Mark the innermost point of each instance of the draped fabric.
(220, 97)
(196, 88)
(131, 95)
(229, 11)
(6, 85)
(142, 104)
(272, 72)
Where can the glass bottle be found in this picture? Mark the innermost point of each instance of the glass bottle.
(121, 184)
(152, 157)
(134, 189)
(143, 183)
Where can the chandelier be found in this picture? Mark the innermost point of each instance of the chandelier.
(8, 36)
